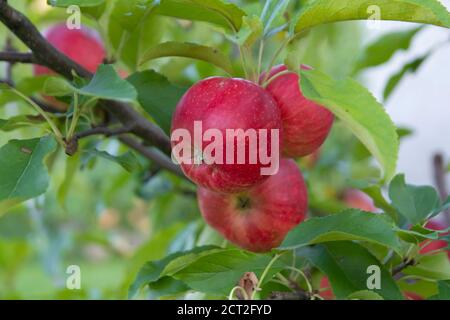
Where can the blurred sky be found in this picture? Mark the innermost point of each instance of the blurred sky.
(421, 101)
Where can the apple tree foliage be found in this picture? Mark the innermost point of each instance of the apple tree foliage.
(165, 46)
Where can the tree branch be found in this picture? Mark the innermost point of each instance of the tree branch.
(48, 56)
(108, 132)
(441, 184)
(17, 57)
(297, 295)
(152, 154)
(396, 271)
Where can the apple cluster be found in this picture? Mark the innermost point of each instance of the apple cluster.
(252, 210)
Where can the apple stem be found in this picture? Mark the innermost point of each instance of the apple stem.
(266, 83)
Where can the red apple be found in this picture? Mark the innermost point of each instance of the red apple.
(359, 200)
(412, 296)
(259, 218)
(81, 45)
(435, 244)
(223, 104)
(325, 289)
(306, 124)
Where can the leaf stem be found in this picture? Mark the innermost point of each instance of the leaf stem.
(75, 117)
(300, 272)
(233, 291)
(53, 126)
(260, 56)
(264, 274)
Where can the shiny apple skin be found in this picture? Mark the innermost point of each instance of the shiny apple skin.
(306, 125)
(275, 207)
(226, 103)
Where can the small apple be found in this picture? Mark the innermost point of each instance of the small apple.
(306, 124)
(359, 200)
(220, 105)
(81, 45)
(435, 244)
(325, 289)
(412, 296)
(259, 218)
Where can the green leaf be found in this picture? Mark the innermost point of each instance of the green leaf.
(345, 264)
(348, 225)
(157, 96)
(127, 161)
(365, 295)
(133, 28)
(444, 291)
(395, 79)
(414, 203)
(251, 31)
(218, 12)
(57, 87)
(23, 173)
(376, 194)
(218, 271)
(325, 11)
(107, 84)
(80, 3)
(19, 122)
(128, 14)
(418, 234)
(359, 111)
(93, 8)
(29, 86)
(431, 267)
(384, 48)
(189, 50)
(152, 271)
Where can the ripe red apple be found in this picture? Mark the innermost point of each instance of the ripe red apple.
(81, 45)
(223, 104)
(359, 200)
(435, 244)
(259, 218)
(306, 124)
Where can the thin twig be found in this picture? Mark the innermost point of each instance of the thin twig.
(153, 154)
(439, 179)
(396, 271)
(107, 132)
(17, 57)
(296, 295)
